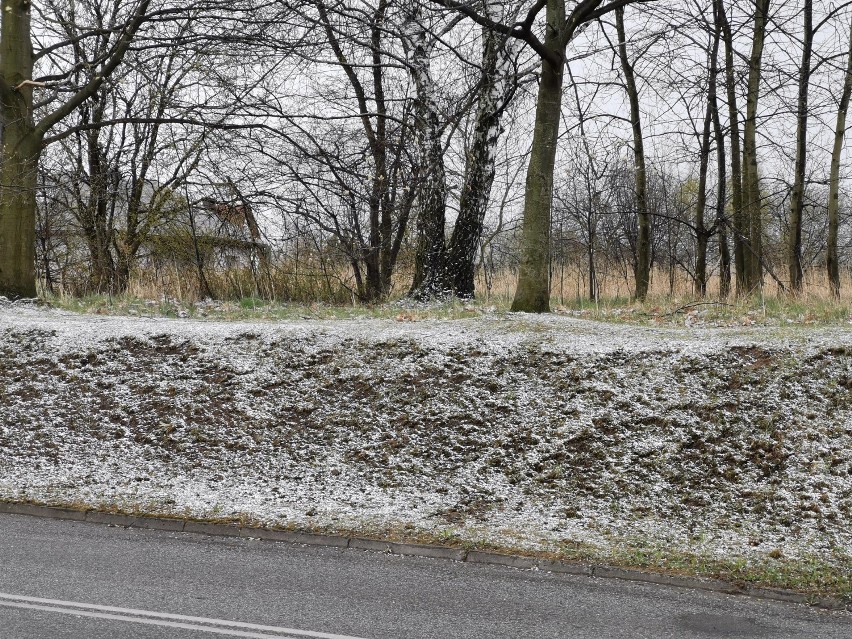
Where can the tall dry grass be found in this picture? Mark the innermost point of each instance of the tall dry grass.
(306, 284)
(280, 282)
(279, 288)
(570, 287)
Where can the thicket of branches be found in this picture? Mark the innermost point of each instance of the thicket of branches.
(361, 149)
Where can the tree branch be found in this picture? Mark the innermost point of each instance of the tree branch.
(351, 75)
(89, 126)
(589, 10)
(109, 66)
(520, 30)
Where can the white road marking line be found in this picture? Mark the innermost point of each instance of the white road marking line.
(160, 618)
(151, 622)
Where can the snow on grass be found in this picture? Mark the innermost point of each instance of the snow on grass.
(529, 432)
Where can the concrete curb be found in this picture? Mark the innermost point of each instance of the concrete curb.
(520, 562)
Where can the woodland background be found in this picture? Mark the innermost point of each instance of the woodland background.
(357, 151)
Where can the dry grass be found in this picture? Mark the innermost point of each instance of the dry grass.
(287, 292)
(282, 282)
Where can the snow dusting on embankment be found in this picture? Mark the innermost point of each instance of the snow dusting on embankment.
(519, 431)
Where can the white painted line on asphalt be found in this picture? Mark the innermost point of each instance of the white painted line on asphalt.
(78, 612)
(221, 626)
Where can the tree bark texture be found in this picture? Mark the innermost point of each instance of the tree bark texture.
(642, 268)
(532, 294)
(429, 261)
(832, 262)
(720, 221)
(797, 197)
(739, 223)
(751, 178)
(496, 90)
(94, 215)
(702, 235)
(711, 117)
(21, 147)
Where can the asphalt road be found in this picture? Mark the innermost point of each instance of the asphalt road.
(62, 579)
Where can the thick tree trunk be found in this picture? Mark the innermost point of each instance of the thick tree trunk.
(831, 257)
(21, 147)
(495, 92)
(532, 294)
(17, 212)
(642, 270)
(794, 237)
(123, 268)
(430, 255)
(751, 178)
(373, 283)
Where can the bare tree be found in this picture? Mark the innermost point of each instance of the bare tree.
(832, 261)
(751, 179)
(419, 42)
(497, 85)
(711, 117)
(642, 271)
(533, 289)
(24, 137)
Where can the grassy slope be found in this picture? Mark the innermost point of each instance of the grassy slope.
(718, 452)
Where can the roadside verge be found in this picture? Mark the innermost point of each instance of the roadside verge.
(435, 551)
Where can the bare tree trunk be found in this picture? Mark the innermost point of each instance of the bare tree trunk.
(721, 222)
(204, 291)
(94, 213)
(594, 203)
(794, 238)
(831, 258)
(702, 235)
(431, 219)
(739, 222)
(642, 270)
(381, 232)
(532, 294)
(751, 178)
(376, 264)
(724, 261)
(721, 164)
(494, 94)
(21, 147)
